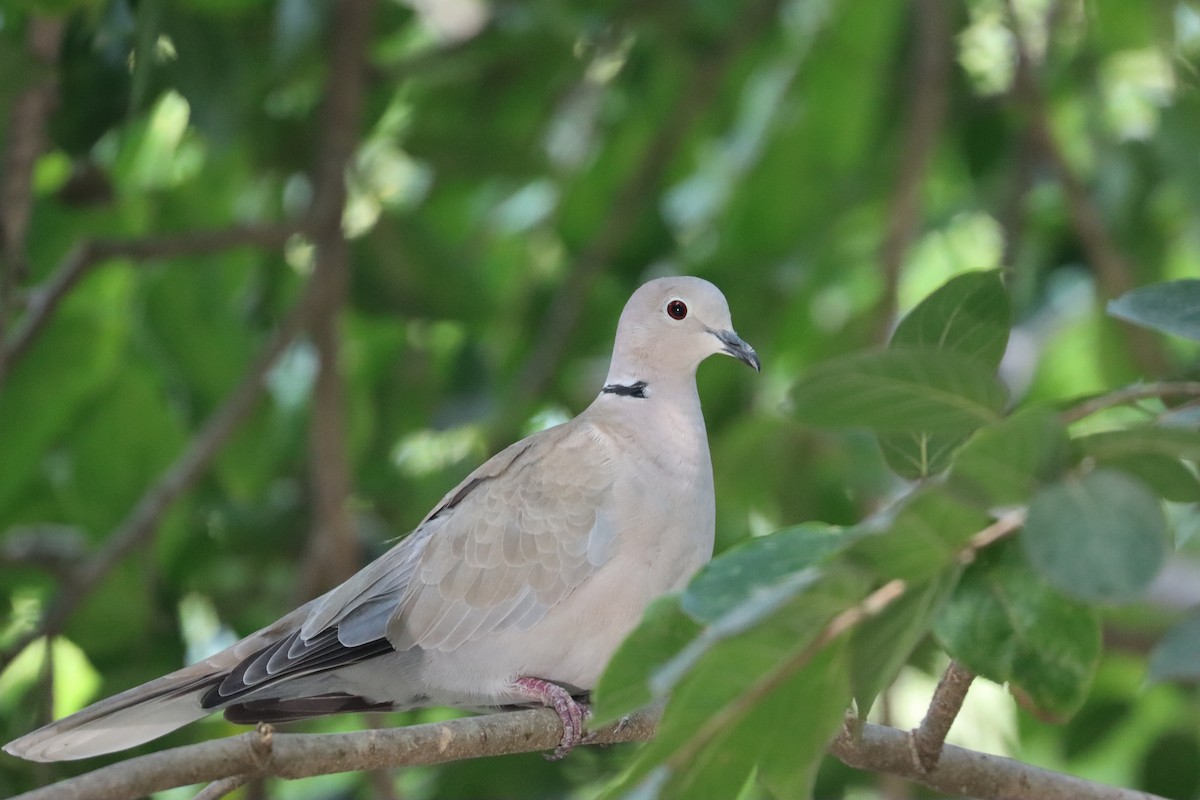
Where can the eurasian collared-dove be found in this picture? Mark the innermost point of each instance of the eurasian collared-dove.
(515, 590)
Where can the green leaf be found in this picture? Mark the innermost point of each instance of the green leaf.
(914, 456)
(899, 391)
(1003, 463)
(1100, 538)
(971, 313)
(1168, 477)
(625, 685)
(749, 687)
(881, 645)
(1170, 307)
(1182, 443)
(923, 538)
(1005, 623)
(738, 573)
(1177, 656)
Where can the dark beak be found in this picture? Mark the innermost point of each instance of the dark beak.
(735, 346)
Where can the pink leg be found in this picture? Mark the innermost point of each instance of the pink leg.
(569, 712)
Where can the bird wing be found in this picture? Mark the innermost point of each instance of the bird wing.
(511, 542)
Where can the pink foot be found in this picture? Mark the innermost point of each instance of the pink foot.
(569, 712)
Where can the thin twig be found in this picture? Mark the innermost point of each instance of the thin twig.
(140, 524)
(1130, 394)
(928, 90)
(87, 255)
(1114, 271)
(333, 552)
(929, 739)
(1006, 525)
(218, 789)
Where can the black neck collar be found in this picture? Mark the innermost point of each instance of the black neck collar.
(632, 390)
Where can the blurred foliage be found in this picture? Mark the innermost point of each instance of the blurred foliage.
(507, 147)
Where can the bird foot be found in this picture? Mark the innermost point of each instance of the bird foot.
(570, 713)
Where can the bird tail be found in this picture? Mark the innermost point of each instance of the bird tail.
(124, 720)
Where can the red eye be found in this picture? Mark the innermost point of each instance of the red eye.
(677, 309)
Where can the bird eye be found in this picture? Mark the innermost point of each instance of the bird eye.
(677, 309)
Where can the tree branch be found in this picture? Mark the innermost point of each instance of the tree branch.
(26, 139)
(878, 749)
(962, 772)
(929, 740)
(928, 92)
(333, 551)
(1130, 394)
(44, 300)
(304, 755)
(140, 524)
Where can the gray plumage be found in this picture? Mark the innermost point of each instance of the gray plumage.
(516, 588)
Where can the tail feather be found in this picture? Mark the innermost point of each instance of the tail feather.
(124, 720)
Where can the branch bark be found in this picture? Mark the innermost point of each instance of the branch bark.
(84, 257)
(878, 749)
(967, 773)
(929, 740)
(333, 551)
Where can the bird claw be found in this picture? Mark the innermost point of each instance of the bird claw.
(570, 713)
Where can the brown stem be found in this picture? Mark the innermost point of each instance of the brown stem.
(333, 552)
(1131, 394)
(929, 739)
(87, 255)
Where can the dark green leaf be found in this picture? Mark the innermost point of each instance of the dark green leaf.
(1100, 538)
(1177, 656)
(899, 391)
(1166, 476)
(924, 538)
(914, 456)
(1004, 623)
(1003, 463)
(1181, 443)
(1170, 307)
(971, 313)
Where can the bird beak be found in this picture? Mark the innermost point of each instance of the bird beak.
(736, 346)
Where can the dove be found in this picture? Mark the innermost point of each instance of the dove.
(515, 590)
